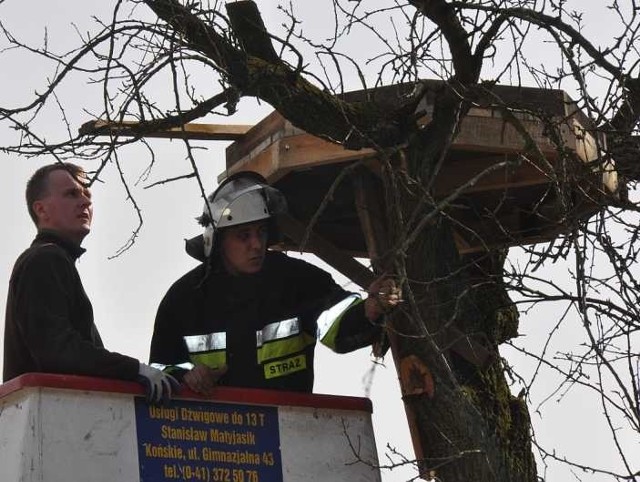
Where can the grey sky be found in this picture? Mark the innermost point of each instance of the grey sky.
(126, 291)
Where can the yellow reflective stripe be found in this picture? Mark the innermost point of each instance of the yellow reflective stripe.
(280, 348)
(285, 367)
(212, 359)
(329, 320)
(208, 342)
(278, 330)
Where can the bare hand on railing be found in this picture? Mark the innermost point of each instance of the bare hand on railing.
(203, 379)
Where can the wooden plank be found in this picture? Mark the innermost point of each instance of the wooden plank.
(298, 150)
(305, 151)
(264, 162)
(191, 131)
(484, 130)
(493, 134)
(260, 137)
(273, 158)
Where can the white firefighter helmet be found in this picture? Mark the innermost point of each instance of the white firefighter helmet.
(242, 198)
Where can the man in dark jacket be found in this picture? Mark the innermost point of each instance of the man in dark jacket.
(250, 317)
(49, 319)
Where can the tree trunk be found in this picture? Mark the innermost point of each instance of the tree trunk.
(470, 428)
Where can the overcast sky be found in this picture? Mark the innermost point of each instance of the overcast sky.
(125, 291)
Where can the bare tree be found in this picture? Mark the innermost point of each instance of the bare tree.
(467, 424)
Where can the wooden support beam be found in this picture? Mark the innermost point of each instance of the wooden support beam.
(191, 131)
(371, 214)
(373, 230)
(326, 251)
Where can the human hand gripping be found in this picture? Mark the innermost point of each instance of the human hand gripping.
(384, 295)
(159, 386)
(203, 379)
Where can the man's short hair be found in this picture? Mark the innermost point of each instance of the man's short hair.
(38, 184)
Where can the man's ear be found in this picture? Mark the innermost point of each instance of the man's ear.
(40, 209)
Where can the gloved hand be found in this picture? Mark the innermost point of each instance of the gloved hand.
(158, 384)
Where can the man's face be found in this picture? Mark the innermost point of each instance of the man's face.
(66, 207)
(243, 247)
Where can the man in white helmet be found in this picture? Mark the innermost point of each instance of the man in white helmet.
(248, 316)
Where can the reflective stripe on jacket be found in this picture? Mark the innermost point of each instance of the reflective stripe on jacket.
(280, 345)
(263, 327)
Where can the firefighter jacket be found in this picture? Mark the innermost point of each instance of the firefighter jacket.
(49, 319)
(263, 326)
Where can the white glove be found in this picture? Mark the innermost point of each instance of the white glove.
(158, 385)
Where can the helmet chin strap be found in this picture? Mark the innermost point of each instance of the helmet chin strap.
(209, 234)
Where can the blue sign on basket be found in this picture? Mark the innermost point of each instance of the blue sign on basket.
(208, 441)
